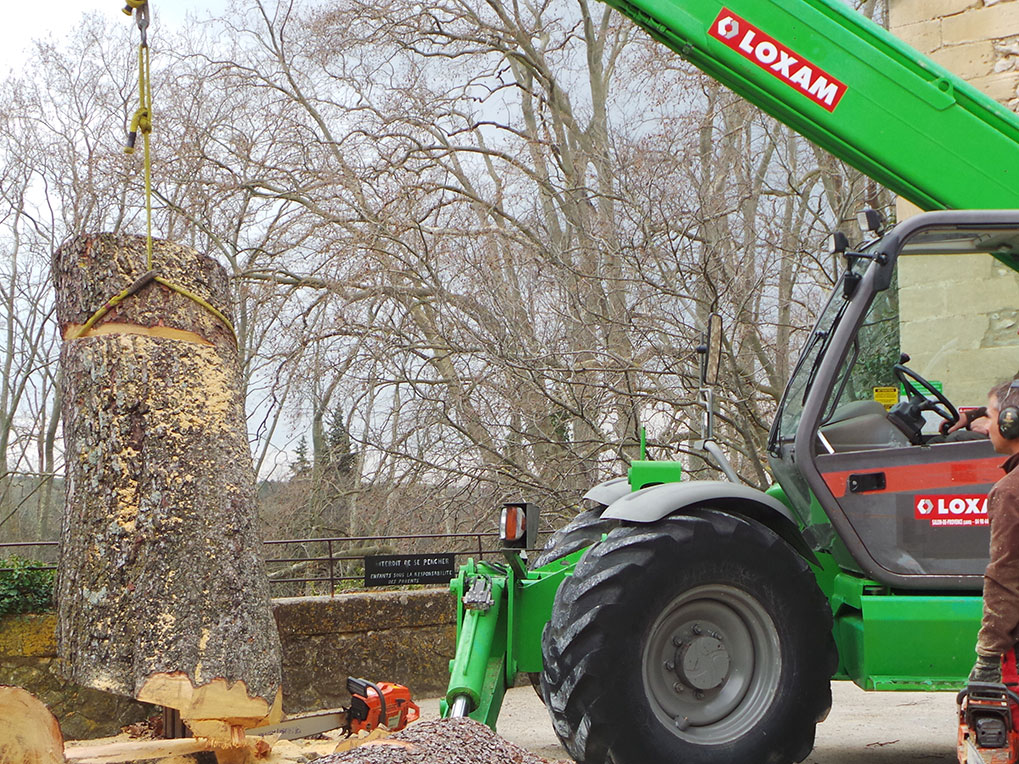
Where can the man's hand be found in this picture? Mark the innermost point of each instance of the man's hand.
(983, 424)
(974, 420)
(987, 669)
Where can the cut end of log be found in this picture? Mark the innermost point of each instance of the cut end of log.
(74, 332)
(29, 733)
(211, 710)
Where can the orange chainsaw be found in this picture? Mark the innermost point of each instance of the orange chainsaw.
(372, 705)
(989, 719)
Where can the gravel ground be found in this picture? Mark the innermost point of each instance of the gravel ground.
(439, 741)
(863, 727)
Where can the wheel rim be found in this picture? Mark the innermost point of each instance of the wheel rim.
(712, 664)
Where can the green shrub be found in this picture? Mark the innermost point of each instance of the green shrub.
(23, 587)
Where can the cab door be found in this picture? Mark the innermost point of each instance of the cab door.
(918, 510)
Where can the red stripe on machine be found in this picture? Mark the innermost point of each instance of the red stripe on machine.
(774, 57)
(924, 477)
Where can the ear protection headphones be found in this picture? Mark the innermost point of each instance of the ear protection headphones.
(1008, 416)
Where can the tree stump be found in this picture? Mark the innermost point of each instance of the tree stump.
(161, 591)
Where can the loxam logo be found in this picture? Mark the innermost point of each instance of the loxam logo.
(945, 511)
(777, 59)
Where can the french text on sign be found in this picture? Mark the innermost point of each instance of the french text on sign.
(406, 569)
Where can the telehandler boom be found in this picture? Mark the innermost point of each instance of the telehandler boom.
(702, 621)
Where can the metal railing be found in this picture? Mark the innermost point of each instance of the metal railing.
(331, 563)
(48, 559)
(320, 565)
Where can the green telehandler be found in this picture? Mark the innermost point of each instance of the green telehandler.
(702, 621)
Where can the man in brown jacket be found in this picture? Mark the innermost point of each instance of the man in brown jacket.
(999, 629)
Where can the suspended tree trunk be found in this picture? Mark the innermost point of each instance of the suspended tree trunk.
(161, 591)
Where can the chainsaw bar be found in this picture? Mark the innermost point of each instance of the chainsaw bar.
(973, 755)
(305, 726)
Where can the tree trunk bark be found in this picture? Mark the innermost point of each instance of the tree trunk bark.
(161, 590)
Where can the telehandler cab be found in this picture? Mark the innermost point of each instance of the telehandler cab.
(702, 621)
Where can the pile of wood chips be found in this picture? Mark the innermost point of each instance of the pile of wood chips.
(442, 741)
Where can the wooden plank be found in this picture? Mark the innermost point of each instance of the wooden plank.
(134, 750)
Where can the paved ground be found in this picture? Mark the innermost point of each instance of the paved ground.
(863, 727)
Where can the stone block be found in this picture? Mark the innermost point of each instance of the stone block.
(989, 23)
(968, 61)
(363, 611)
(1001, 330)
(925, 36)
(28, 636)
(972, 297)
(919, 303)
(400, 636)
(407, 637)
(972, 373)
(83, 713)
(315, 676)
(903, 12)
(905, 209)
(948, 269)
(1000, 86)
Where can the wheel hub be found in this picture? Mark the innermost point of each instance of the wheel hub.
(712, 663)
(703, 662)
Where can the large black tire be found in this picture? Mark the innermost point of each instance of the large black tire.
(700, 639)
(583, 530)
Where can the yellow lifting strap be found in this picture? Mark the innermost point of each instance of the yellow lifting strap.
(141, 122)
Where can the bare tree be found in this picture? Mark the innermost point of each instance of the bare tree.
(479, 238)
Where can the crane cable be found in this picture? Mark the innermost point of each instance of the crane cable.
(141, 122)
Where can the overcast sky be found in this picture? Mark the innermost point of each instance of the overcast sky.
(23, 22)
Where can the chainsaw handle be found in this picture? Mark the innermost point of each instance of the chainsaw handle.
(986, 686)
(383, 718)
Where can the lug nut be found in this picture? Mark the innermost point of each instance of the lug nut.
(677, 687)
(696, 628)
(699, 694)
(670, 666)
(677, 641)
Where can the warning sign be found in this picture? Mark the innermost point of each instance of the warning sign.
(404, 569)
(886, 396)
(952, 511)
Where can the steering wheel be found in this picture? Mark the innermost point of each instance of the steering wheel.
(907, 377)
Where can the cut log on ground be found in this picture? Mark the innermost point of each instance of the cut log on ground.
(450, 741)
(161, 591)
(29, 733)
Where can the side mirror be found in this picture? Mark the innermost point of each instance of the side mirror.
(711, 351)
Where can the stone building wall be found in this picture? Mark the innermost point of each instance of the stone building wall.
(399, 636)
(954, 309)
